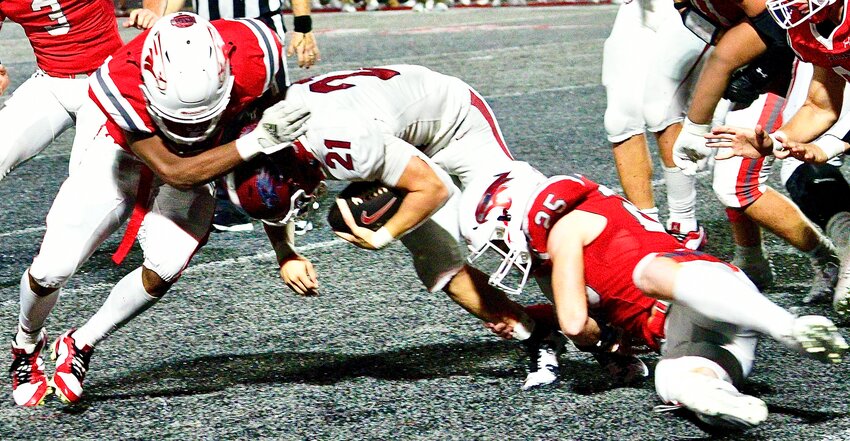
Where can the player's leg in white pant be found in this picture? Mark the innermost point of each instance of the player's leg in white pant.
(676, 59)
(702, 363)
(89, 207)
(624, 69)
(34, 116)
(170, 234)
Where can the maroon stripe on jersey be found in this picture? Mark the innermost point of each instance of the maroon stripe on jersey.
(479, 104)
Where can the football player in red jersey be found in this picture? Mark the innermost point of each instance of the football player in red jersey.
(601, 253)
(159, 106)
(746, 31)
(819, 33)
(70, 39)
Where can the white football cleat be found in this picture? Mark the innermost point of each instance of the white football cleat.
(819, 338)
(718, 403)
(543, 362)
(29, 385)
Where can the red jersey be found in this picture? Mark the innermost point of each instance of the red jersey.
(68, 37)
(610, 259)
(255, 61)
(722, 13)
(830, 51)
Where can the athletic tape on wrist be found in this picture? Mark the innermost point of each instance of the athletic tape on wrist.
(381, 238)
(831, 146)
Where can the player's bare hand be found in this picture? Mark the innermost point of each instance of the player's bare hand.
(501, 329)
(4, 79)
(304, 46)
(739, 141)
(806, 152)
(362, 237)
(141, 19)
(300, 276)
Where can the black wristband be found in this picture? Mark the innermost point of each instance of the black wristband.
(302, 24)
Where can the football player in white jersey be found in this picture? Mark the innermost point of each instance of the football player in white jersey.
(410, 128)
(648, 67)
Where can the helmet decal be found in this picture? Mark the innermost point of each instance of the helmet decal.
(266, 189)
(490, 200)
(183, 21)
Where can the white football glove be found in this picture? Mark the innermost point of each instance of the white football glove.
(280, 125)
(689, 151)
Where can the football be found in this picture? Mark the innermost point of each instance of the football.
(372, 204)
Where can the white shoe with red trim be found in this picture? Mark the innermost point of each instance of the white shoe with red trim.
(29, 385)
(72, 363)
(692, 240)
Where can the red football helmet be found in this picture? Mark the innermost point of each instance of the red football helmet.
(279, 187)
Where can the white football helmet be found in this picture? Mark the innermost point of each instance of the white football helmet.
(492, 212)
(790, 13)
(186, 78)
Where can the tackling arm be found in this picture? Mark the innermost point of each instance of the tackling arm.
(183, 172)
(566, 249)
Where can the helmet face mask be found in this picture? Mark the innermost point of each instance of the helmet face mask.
(492, 213)
(513, 263)
(791, 13)
(186, 79)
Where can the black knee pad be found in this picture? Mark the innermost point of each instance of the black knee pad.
(820, 191)
(714, 353)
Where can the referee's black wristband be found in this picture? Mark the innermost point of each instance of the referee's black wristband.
(302, 24)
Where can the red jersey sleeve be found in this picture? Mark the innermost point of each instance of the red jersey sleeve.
(558, 196)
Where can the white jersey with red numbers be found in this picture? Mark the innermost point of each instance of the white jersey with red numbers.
(68, 37)
(611, 258)
(254, 62)
(439, 115)
(830, 51)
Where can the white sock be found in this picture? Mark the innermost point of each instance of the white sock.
(34, 311)
(719, 295)
(127, 300)
(681, 199)
(651, 212)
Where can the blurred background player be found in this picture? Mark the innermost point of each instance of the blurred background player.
(648, 67)
(604, 254)
(152, 152)
(302, 44)
(745, 33)
(46, 104)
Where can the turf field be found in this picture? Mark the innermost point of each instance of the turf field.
(230, 353)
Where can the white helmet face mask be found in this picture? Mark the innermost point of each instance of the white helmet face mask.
(492, 212)
(186, 78)
(791, 13)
